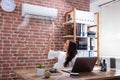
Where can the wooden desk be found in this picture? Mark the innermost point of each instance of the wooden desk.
(31, 74)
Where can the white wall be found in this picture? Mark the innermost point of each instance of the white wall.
(109, 28)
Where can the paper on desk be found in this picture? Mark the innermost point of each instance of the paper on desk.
(96, 68)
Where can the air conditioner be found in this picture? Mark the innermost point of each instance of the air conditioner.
(34, 11)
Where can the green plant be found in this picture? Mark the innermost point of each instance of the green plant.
(47, 74)
(41, 66)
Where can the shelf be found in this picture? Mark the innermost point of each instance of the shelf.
(71, 22)
(71, 36)
(92, 26)
(68, 36)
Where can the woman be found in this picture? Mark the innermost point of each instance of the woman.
(65, 58)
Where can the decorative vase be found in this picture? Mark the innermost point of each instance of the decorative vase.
(40, 71)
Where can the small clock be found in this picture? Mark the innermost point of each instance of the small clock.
(8, 5)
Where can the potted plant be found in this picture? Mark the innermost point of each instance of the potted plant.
(40, 70)
(47, 74)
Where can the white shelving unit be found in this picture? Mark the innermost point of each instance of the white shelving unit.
(90, 20)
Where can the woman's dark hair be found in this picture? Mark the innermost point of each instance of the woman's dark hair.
(71, 53)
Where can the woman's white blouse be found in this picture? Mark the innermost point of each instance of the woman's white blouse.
(61, 55)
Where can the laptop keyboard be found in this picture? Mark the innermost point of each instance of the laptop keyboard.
(68, 71)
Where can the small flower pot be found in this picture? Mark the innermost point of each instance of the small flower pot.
(40, 71)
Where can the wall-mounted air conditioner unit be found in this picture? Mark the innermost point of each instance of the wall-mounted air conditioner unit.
(34, 11)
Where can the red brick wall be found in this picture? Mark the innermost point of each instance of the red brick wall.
(25, 46)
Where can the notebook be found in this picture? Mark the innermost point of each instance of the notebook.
(83, 64)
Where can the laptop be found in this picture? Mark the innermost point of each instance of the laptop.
(83, 64)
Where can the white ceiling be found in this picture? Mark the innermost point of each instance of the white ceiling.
(99, 2)
(91, 1)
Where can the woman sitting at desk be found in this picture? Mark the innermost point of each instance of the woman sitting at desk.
(65, 58)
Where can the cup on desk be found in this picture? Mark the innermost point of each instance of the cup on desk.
(40, 71)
